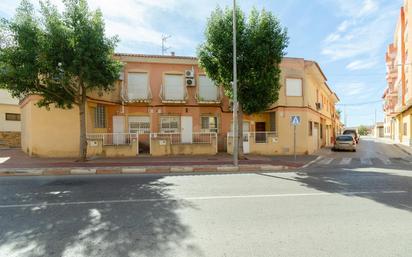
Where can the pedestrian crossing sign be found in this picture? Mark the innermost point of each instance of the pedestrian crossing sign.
(295, 120)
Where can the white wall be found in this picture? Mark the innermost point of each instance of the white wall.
(8, 105)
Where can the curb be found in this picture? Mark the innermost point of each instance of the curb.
(144, 170)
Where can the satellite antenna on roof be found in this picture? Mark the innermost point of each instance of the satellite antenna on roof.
(164, 48)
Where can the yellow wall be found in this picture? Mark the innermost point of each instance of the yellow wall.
(50, 133)
(162, 147)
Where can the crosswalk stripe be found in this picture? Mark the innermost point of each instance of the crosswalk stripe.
(385, 161)
(326, 161)
(366, 161)
(345, 161)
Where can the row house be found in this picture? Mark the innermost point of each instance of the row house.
(398, 94)
(167, 105)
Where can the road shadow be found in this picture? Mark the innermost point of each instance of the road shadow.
(151, 227)
(390, 189)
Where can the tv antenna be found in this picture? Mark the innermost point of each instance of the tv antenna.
(164, 48)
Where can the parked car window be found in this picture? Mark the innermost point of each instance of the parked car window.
(344, 138)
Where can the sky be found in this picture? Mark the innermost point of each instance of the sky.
(348, 38)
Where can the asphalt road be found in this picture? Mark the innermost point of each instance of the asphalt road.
(320, 211)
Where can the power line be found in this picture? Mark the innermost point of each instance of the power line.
(363, 103)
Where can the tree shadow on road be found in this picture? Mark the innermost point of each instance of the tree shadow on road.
(390, 189)
(136, 228)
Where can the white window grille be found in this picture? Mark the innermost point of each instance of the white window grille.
(293, 87)
(137, 85)
(139, 124)
(174, 87)
(169, 124)
(209, 124)
(100, 116)
(208, 91)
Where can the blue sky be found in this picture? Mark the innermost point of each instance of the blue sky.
(348, 38)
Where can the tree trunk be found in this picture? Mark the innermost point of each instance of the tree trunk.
(240, 132)
(82, 114)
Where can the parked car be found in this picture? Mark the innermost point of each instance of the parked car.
(352, 132)
(345, 142)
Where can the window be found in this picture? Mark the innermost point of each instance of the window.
(137, 85)
(293, 87)
(139, 124)
(169, 124)
(12, 116)
(405, 129)
(310, 128)
(321, 131)
(174, 87)
(100, 116)
(209, 124)
(208, 91)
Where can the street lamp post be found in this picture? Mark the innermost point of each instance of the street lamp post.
(235, 104)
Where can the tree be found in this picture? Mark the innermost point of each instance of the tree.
(363, 130)
(58, 56)
(261, 44)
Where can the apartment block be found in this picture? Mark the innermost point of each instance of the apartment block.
(167, 105)
(398, 94)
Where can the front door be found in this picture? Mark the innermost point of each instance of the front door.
(260, 136)
(246, 143)
(118, 130)
(187, 130)
(315, 137)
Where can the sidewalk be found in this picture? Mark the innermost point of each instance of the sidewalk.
(14, 161)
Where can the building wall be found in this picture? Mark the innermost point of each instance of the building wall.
(56, 132)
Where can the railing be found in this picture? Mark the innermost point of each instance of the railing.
(164, 98)
(113, 138)
(256, 137)
(179, 138)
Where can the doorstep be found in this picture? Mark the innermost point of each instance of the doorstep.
(59, 171)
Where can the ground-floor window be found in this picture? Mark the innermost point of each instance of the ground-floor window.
(405, 129)
(209, 124)
(13, 116)
(139, 124)
(100, 116)
(170, 124)
(310, 128)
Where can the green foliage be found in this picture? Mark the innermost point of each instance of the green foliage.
(261, 44)
(59, 56)
(363, 130)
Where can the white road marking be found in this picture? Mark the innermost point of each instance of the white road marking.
(326, 161)
(345, 161)
(366, 161)
(385, 161)
(46, 204)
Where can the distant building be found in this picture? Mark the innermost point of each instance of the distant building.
(10, 126)
(398, 94)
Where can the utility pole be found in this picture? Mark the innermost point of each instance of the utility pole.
(164, 48)
(235, 104)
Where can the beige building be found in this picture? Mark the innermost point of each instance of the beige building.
(398, 94)
(166, 105)
(9, 120)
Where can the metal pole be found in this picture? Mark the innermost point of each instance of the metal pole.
(294, 141)
(235, 105)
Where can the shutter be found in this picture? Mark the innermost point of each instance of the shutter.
(207, 88)
(293, 87)
(174, 87)
(137, 85)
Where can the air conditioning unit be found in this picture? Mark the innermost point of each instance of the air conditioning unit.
(318, 106)
(190, 73)
(190, 82)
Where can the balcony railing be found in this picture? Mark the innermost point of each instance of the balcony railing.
(112, 138)
(169, 99)
(209, 100)
(179, 138)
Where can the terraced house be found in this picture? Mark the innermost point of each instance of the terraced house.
(166, 105)
(398, 94)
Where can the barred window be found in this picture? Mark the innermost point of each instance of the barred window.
(310, 128)
(13, 116)
(169, 124)
(209, 124)
(100, 116)
(139, 125)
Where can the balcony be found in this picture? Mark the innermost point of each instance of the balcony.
(140, 97)
(173, 96)
(209, 99)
